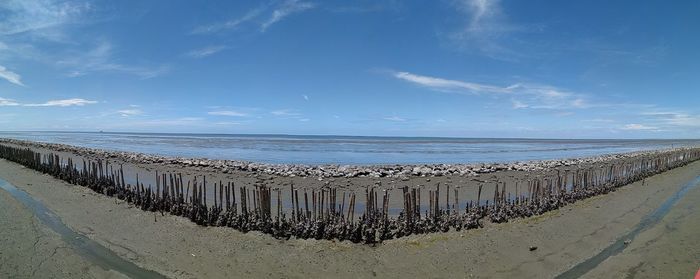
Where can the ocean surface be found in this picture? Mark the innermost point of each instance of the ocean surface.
(347, 149)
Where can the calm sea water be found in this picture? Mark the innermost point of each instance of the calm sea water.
(346, 149)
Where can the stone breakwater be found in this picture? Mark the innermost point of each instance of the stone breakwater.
(326, 171)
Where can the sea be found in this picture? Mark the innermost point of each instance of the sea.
(349, 150)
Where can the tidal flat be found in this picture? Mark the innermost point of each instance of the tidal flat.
(178, 248)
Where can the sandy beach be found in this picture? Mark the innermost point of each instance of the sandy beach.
(177, 248)
(32, 250)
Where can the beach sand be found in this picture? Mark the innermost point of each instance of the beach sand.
(29, 249)
(670, 249)
(175, 247)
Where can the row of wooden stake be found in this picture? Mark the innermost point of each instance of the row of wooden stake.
(323, 214)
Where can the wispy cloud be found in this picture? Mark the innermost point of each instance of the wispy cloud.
(395, 119)
(10, 76)
(523, 95)
(227, 113)
(227, 123)
(63, 103)
(290, 114)
(26, 25)
(518, 104)
(51, 103)
(130, 112)
(306, 97)
(169, 122)
(206, 51)
(99, 59)
(368, 6)
(41, 18)
(673, 118)
(8, 102)
(263, 16)
(486, 30)
(285, 112)
(481, 12)
(287, 8)
(449, 85)
(231, 24)
(638, 127)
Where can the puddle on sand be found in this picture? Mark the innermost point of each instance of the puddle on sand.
(648, 221)
(88, 249)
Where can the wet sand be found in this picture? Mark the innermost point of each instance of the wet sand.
(669, 249)
(178, 248)
(29, 249)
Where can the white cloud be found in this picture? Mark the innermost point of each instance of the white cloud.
(598, 120)
(40, 17)
(227, 123)
(227, 113)
(395, 118)
(449, 85)
(265, 16)
(486, 30)
(63, 103)
(285, 112)
(75, 74)
(231, 24)
(480, 10)
(130, 112)
(10, 76)
(287, 8)
(523, 95)
(519, 105)
(99, 59)
(306, 97)
(51, 103)
(206, 51)
(579, 103)
(673, 118)
(8, 102)
(169, 122)
(638, 127)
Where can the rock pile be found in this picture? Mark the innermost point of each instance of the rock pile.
(327, 171)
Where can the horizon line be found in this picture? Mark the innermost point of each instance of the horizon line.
(329, 135)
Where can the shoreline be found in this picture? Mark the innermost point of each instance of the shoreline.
(327, 218)
(564, 237)
(399, 171)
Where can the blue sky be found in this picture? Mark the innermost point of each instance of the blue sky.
(469, 68)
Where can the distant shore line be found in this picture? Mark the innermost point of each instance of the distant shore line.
(333, 170)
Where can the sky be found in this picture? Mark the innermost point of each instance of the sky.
(444, 68)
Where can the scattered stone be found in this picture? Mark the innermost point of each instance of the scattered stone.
(327, 171)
